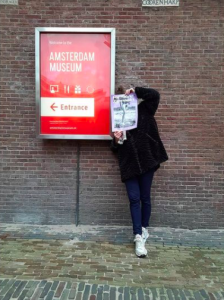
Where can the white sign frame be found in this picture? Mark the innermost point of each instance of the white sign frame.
(38, 32)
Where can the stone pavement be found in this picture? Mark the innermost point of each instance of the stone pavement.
(45, 266)
(115, 234)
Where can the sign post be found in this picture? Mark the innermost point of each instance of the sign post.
(75, 71)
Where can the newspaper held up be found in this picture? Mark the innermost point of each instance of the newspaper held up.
(124, 112)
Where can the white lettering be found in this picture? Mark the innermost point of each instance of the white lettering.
(91, 56)
(73, 107)
(72, 56)
(65, 67)
(76, 56)
(78, 67)
(51, 56)
(58, 56)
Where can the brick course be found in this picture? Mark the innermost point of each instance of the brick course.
(177, 50)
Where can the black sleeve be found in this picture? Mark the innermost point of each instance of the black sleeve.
(150, 96)
(114, 146)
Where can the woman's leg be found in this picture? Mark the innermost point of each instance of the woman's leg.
(132, 186)
(145, 183)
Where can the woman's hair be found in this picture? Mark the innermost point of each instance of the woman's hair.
(120, 90)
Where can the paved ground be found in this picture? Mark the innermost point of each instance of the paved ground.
(115, 234)
(50, 268)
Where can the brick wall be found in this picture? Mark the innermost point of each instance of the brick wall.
(177, 50)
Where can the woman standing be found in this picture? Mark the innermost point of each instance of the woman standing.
(140, 155)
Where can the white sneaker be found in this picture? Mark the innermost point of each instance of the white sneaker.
(145, 234)
(140, 250)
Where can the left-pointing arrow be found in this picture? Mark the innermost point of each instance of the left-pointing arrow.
(53, 107)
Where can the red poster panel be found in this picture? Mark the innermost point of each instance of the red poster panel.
(75, 84)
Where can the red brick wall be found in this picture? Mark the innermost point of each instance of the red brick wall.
(177, 50)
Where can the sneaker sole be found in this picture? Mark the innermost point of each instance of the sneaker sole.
(141, 256)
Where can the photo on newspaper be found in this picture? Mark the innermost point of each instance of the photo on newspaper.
(124, 112)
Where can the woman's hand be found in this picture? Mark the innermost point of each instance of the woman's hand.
(129, 91)
(118, 135)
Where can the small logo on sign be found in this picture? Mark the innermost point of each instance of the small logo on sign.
(77, 89)
(66, 89)
(54, 89)
(90, 89)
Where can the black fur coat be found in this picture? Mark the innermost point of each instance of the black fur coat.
(143, 150)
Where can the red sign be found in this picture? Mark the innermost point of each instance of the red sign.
(75, 83)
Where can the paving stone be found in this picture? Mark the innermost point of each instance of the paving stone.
(50, 295)
(219, 297)
(133, 297)
(64, 295)
(94, 289)
(59, 289)
(72, 294)
(175, 293)
(106, 287)
(99, 295)
(32, 287)
(146, 291)
(19, 289)
(212, 297)
(198, 295)
(126, 293)
(106, 296)
(113, 293)
(68, 285)
(37, 294)
(140, 294)
(100, 289)
(42, 283)
(78, 296)
(46, 289)
(7, 296)
(81, 286)
(187, 293)
(11, 290)
(23, 294)
(54, 285)
(182, 295)
(86, 292)
(170, 294)
(31, 283)
(126, 278)
(161, 291)
(133, 290)
(154, 293)
(169, 268)
(6, 286)
(4, 282)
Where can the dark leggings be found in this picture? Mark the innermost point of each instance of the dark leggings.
(138, 189)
